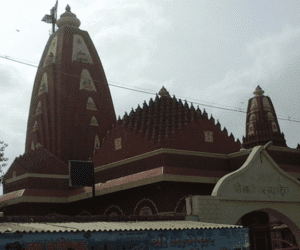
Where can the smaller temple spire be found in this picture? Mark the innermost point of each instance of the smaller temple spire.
(261, 122)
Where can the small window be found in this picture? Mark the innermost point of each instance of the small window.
(35, 126)
(145, 211)
(86, 81)
(208, 136)
(38, 109)
(270, 116)
(252, 118)
(91, 104)
(250, 129)
(94, 121)
(274, 127)
(14, 174)
(266, 103)
(97, 142)
(254, 104)
(80, 50)
(44, 85)
(118, 143)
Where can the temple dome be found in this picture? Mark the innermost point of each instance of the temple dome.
(68, 19)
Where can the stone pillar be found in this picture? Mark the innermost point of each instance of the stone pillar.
(188, 205)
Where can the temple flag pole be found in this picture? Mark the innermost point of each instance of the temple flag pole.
(52, 17)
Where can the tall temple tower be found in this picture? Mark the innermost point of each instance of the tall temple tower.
(71, 106)
(261, 122)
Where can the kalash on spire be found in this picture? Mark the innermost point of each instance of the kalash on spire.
(71, 105)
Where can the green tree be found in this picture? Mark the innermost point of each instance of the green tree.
(2, 159)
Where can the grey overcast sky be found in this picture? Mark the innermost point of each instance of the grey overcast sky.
(213, 52)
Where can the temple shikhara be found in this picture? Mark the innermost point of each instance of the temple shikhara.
(165, 157)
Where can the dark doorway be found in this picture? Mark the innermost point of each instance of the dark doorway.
(258, 223)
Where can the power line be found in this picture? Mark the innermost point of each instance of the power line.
(6, 57)
(144, 91)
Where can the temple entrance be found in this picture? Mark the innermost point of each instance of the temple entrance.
(267, 232)
(258, 222)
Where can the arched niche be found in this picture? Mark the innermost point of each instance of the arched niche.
(91, 104)
(145, 211)
(94, 121)
(51, 54)
(270, 116)
(80, 51)
(84, 213)
(145, 207)
(252, 118)
(251, 129)
(113, 210)
(266, 104)
(97, 142)
(35, 126)
(254, 104)
(43, 85)
(86, 81)
(38, 109)
(274, 127)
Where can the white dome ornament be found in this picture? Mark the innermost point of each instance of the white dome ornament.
(258, 91)
(68, 19)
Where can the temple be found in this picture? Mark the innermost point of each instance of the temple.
(152, 161)
(71, 105)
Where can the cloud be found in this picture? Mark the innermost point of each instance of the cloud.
(127, 34)
(8, 79)
(275, 67)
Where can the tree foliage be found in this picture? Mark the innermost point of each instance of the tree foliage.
(2, 158)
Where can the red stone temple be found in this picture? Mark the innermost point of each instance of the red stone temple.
(146, 163)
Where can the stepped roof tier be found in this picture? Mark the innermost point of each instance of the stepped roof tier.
(36, 163)
(164, 123)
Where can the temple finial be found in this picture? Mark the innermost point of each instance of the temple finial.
(68, 19)
(164, 92)
(258, 91)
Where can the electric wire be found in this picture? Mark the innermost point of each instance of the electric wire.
(147, 92)
(5, 57)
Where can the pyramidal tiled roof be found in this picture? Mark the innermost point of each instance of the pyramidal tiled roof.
(39, 161)
(162, 116)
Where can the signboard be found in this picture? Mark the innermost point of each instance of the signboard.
(187, 239)
(259, 178)
(81, 173)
